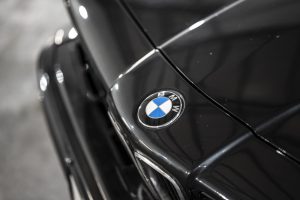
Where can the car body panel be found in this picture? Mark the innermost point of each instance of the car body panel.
(218, 148)
(162, 19)
(227, 164)
(245, 56)
(80, 128)
(109, 35)
(251, 170)
(201, 140)
(193, 137)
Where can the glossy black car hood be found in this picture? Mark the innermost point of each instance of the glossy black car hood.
(243, 54)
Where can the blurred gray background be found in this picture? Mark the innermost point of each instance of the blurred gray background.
(29, 168)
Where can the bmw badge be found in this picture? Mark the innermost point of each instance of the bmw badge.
(161, 109)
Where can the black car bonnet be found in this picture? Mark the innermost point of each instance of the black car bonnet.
(243, 54)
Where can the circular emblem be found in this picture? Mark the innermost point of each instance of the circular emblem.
(160, 109)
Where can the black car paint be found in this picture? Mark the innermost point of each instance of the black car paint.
(82, 133)
(246, 58)
(250, 170)
(110, 36)
(228, 164)
(202, 140)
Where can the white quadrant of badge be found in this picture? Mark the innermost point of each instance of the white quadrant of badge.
(161, 109)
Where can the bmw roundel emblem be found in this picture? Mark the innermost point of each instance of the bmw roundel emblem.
(161, 109)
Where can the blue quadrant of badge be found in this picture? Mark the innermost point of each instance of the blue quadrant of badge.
(158, 113)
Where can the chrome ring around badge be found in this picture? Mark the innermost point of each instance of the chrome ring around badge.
(161, 109)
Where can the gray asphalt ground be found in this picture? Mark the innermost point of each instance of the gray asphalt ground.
(29, 168)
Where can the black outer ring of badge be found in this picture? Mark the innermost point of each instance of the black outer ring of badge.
(142, 112)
